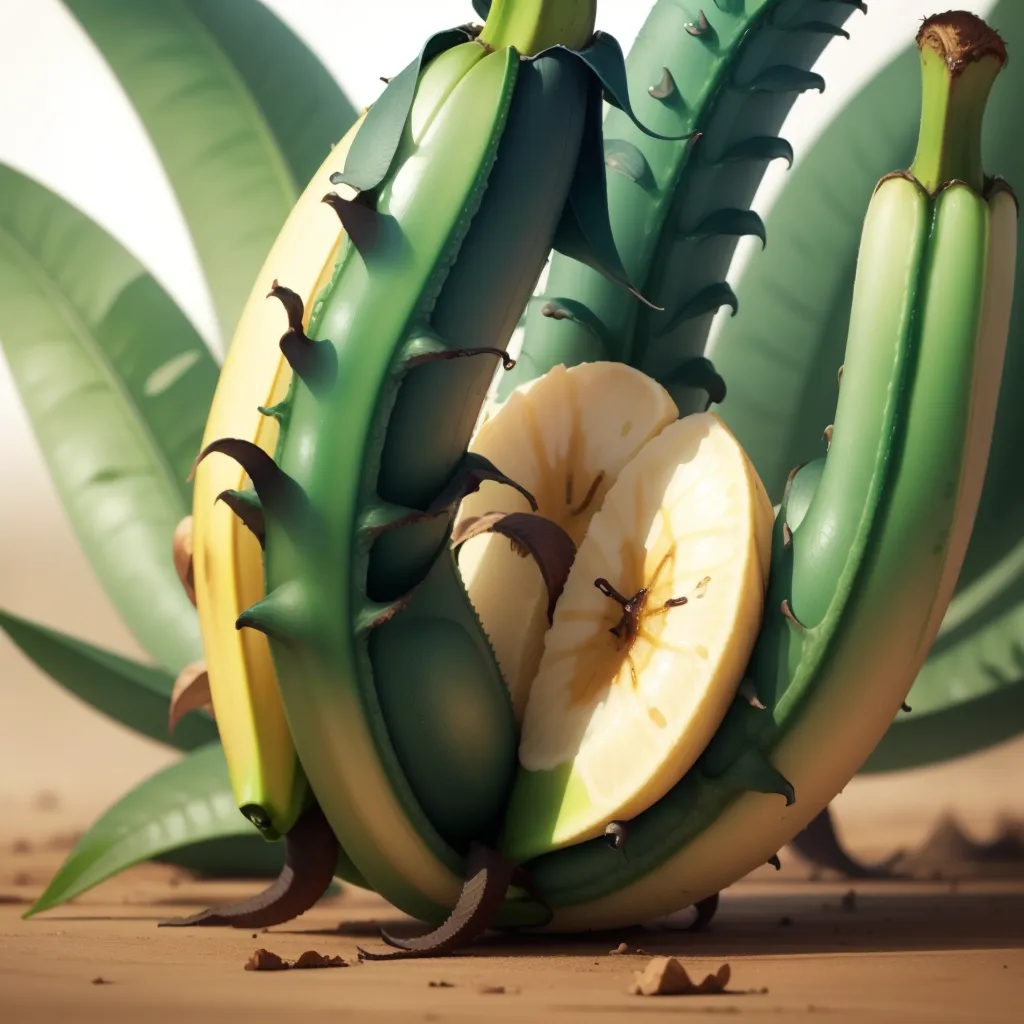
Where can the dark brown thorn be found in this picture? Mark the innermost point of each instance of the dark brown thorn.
(676, 602)
(250, 513)
(628, 626)
(839, 375)
(906, 708)
(827, 435)
(507, 362)
(617, 835)
(665, 88)
(471, 473)
(386, 81)
(293, 307)
(181, 547)
(589, 496)
(550, 546)
(191, 693)
(311, 853)
(787, 614)
(360, 220)
(701, 25)
(775, 862)
(787, 536)
(706, 910)
(748, 691)
(488, 876)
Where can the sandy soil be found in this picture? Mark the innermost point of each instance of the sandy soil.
(926, 951)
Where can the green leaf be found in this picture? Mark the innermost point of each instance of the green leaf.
(135, 695)
(239, 111)
(190, 802)
(113, 378)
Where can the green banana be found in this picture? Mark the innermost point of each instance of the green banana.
(860, 583)
(481, 155)
(678, 209)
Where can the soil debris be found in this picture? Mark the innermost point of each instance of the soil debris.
(441, 984)
(21, 846)
(100, 980)
(491, 990)
(666, 976)
(265, 960)
(13, 901)
(849, 900)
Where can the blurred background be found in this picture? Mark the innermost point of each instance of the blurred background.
(65, 121)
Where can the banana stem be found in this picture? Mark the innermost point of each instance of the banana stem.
(534, 25)
(960, 59)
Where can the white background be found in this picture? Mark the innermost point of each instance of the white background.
(64, 120)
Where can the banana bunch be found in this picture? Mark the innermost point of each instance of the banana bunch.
(568, 673)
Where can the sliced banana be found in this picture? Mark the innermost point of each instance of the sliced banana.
(650, 639)
(564, 437)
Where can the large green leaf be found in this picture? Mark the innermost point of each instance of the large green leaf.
(186, 804)
(113, 378)
(135, 695)
(239, 111)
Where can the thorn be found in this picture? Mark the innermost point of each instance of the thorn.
(748, 691)
(839, 376)
(191, 693)
(360, 220)
(246, 505)
(617, 835)
(787, 536)
(442, 354)
(787, 614)
(315, 363)
(181, 546)
(775, 862)
(905, 707)
(665, 88)
(827, 435)
(386, 81)
(700, 27)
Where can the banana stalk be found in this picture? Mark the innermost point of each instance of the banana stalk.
(477, 159)
(863, 571)
(731, 73)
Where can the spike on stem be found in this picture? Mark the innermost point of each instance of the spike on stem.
(960, 60)
(699, 27)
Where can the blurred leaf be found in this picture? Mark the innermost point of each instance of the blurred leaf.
(240, 112)
(190, 802)
(135, 695)
(116, 383)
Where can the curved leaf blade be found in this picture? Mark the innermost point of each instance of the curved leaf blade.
(107, 367)
(188, 803)
(134, 695)
(303, 106)
(221, 113)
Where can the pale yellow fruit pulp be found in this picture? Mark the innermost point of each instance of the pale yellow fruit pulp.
(613, 722)
(564, 437)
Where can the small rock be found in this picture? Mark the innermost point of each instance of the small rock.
(264, 960)
(101, 981)
(849, 900)
(492, 990)
(311, 959)
(666, 976)
(619, 950)
(441, 984)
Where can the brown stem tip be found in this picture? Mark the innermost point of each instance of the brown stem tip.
(960, 38)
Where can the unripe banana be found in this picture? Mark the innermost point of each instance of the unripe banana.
(861, 579)
(475, 160)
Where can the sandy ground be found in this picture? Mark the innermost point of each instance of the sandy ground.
(931, 951)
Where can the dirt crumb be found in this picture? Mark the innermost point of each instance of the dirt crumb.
(491, 990)
(311, 959)
(99, 980)
(21, 846)
(785, 921)
(666, 976)
(619, 950)
(264, 960)
(441, 984)
(849, 900)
